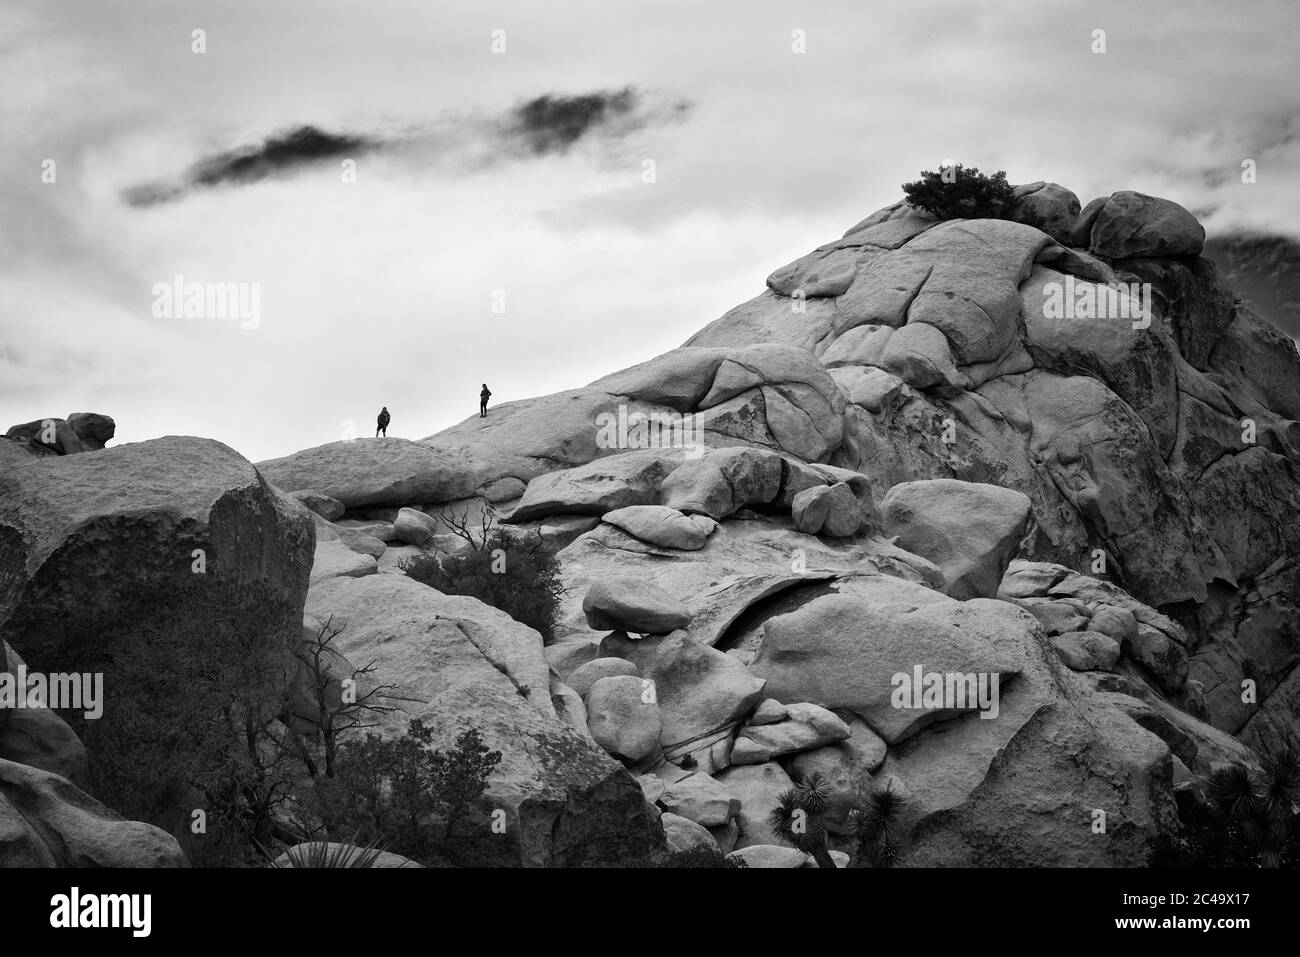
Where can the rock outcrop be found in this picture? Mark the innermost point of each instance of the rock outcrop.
(90, 542)
(1000, 514)
(457, 664)
(79, 432)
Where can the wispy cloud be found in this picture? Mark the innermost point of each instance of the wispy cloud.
(546, 125)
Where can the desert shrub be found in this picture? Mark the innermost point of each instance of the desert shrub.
(968, 195)
(522, 578)
(1247, 820)
(406, 797)
(195, 686)
(700, 856)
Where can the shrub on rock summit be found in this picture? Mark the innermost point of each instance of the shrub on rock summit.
(958, 192)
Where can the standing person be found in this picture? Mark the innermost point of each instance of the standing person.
(382, 423)
(482, 401)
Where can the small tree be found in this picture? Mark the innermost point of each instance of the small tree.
(520, 577)
(874, 826)
(958, 192)
(799, 818)
(393, 790)
(200, 684)
(336, 711)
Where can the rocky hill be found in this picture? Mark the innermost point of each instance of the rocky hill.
(1050, 451)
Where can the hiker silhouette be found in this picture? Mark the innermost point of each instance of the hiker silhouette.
(382, 424)
(482, 401)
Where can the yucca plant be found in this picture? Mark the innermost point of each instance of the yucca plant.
(327, 854)
(1279, 793)
(875, 826)
(1258, 811)
(799, 817)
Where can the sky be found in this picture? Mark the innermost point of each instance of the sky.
(503, 225)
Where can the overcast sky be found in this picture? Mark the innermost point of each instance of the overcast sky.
(475, 174)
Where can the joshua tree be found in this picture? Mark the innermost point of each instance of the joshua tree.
(1258, 810)
(799, 817)
(873, 826)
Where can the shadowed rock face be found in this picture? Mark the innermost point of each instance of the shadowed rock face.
(458, 664)
(90, 539)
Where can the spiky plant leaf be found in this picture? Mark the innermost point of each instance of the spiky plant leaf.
(814, 793)
(885, 805)
(1233, 792)
(781, 817)
(887, 852)
(323, 854)
(1280, 787)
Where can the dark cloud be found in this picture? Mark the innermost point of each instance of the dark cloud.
(545, 125)
(297, 148)
(551, 124)
(280, 155)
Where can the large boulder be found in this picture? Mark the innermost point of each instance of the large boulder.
(333, 559)
(457, 664)
(415, 527)
(757, 787)
(37, 737)
(702, 693)
(94, 430)
(605, 485)
(1046, 206)
(1032, 787)
(830, 510)
(683, 834)
(970, 530)
(854, 649)
(803, 727)
(621, 719)
(700, 798)
(629, 604)
(663, 526)
(1087, 650)
(324, 506)
(47, 436)
(724, 481)
(587, 674)
(368, 472)
(90, 543)
(1135, 224)
(46, 821)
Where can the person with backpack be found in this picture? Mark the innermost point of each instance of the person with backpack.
(384, 419)
(482, 401)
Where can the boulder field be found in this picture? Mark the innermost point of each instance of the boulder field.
(1050, 454)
